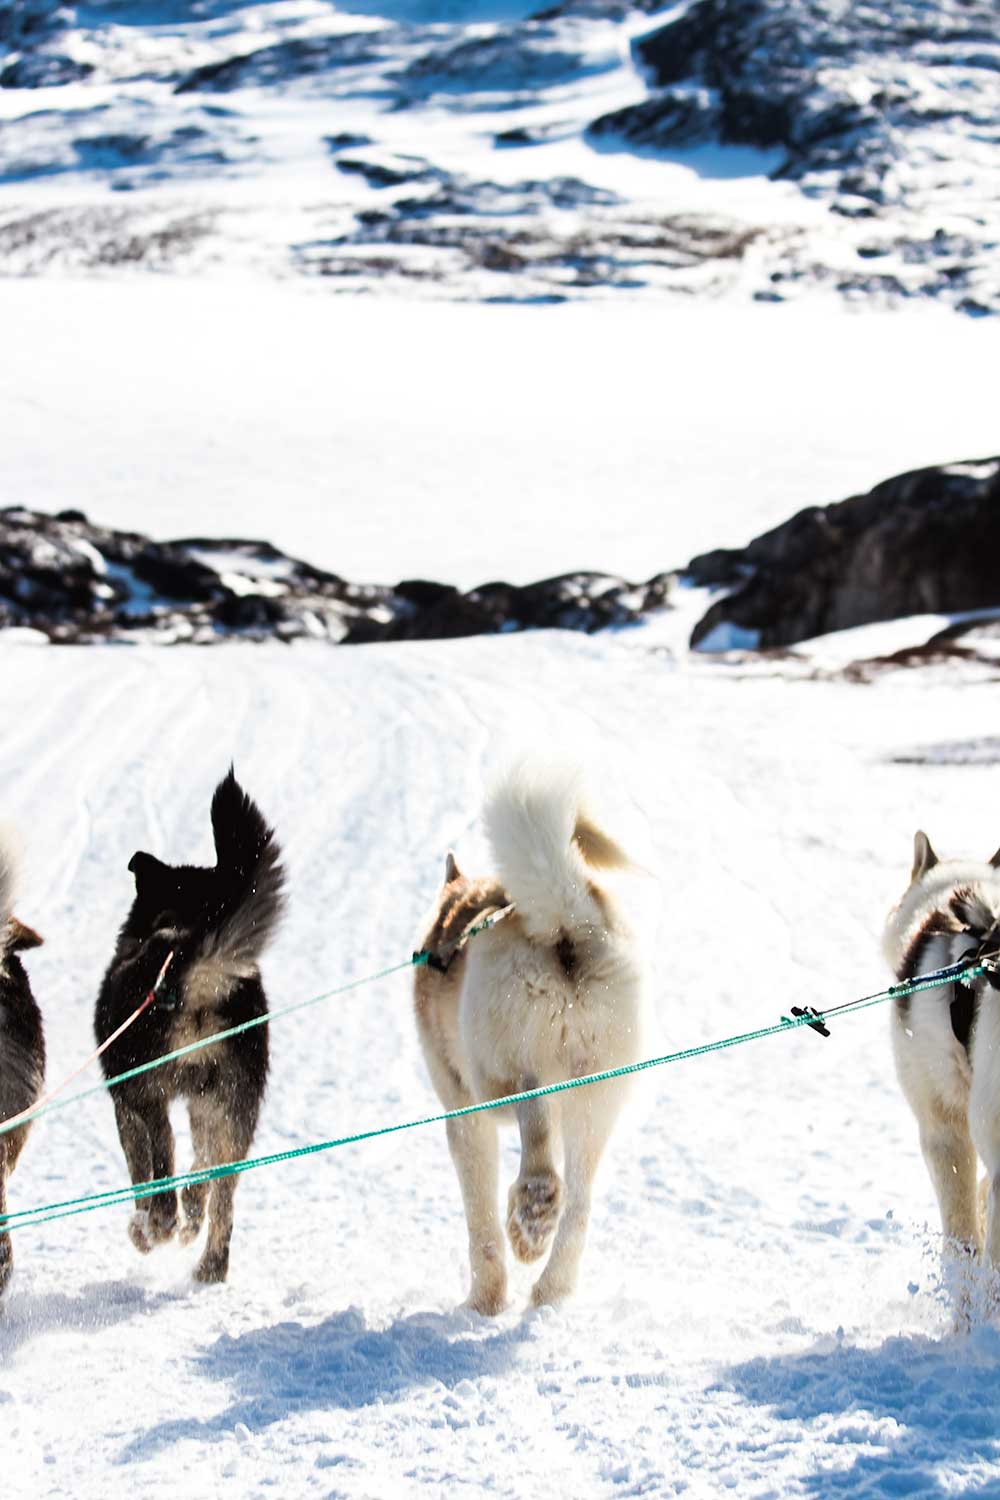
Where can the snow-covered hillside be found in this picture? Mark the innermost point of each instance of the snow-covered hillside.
(503, 151)
(760, 1310)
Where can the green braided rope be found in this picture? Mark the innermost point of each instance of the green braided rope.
(209, 1041)
(70, 1207)
(266, 1019)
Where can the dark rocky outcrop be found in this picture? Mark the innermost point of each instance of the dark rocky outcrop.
(26, 23)
(43, 70)
(820, 80)
(921, 543)
(524, 57)
(299, 57)
(875, 109)
(77, 582)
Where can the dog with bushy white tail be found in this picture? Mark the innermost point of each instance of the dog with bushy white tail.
(946, 1040)
(554, 990)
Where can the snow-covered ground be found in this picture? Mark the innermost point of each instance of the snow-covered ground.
(760, 1310)
(387, 440)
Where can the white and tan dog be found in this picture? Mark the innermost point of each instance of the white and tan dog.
(553, 991)
(947, 1040)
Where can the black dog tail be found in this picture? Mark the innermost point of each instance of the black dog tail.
(248, 864)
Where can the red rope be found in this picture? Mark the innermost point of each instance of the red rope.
(6, 1125)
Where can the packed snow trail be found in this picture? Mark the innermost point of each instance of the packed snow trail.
(759, 1306)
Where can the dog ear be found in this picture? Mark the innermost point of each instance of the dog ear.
(995, 861)
(142, 866)
(924, 858)
(451, 870)
(22, 936)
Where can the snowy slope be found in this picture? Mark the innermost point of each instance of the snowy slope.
(760, 1311)
(386, 440)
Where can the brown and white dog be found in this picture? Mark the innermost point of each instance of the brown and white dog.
(553, 991)
(22, 1044)
(947, 1040)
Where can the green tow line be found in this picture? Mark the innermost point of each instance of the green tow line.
(70, 1207)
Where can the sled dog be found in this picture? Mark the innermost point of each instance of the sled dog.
(22, 1044)
(553, 991)
(946, 1041)
(215, 922)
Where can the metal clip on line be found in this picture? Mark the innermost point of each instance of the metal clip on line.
(817, 1023)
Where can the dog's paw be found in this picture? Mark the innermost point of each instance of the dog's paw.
(193, 1200)
(488, 1302)
(153, 1225)
(212, 1268)
(549, 1291)
(6, 1262)
(489, 1290)
(532, 1214)
(140, 1232)
(189, 1231)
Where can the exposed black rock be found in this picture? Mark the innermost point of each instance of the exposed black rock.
(823, 82)
(573, 601)
(511, 229)
(388, 170)
(346, 140)
(523, 57)
(601, 10)
(667, 120)
(300, 57)
(78, 582)
(921, 543)
(27, 23)
(42, 70)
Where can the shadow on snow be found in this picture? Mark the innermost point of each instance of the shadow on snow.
(28, 1316)
(922, 1411)
(291, 1368)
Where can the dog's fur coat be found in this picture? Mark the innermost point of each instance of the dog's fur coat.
(553, 991)
(216, 922)
(22, 1044)
(947, 1042)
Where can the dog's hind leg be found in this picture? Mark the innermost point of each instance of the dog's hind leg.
(535, 1197)
(474, 1145)
(6, 1248)
(951, 1162)
(194, 1197)
(588, 1115)
(984, 1119)
(472, 1140)
(227, 1139)
(950, 1157)
(148, 1143)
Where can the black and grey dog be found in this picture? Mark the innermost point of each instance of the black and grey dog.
(215, 922)
(22, 1045)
